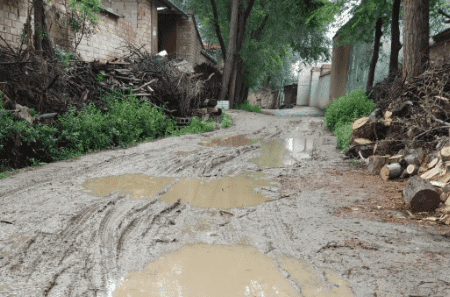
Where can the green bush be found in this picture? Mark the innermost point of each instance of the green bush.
(343, 131)
(344, 109)
(127, 122)
(248, 107)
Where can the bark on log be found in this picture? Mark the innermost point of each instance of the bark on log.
(391, 171)
(412, 169)
(404, 174)
(375, 164)
(420, 195)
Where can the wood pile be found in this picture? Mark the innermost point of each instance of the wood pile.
(408, 136)
(51, 86)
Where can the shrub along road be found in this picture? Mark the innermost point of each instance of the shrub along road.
(77, 227)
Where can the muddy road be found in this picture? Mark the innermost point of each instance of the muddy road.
(209, 215)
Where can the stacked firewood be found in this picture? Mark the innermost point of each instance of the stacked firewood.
(408, 136)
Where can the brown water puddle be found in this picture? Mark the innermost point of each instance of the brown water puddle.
(136, 185)
(225, 193)
(275, 153)
(229, 140)
(224, 271)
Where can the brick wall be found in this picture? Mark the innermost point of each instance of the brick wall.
(13, 14)
(112, 32)
(440, 52)
(189, 43)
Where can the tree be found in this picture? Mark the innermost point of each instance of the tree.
(265, 35)
(80, 11)
(229, 60)
(415, 37)
(360, 28)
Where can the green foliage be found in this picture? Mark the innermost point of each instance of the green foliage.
(127, 122)
(344, 109)
(88, 7)
(227, 121)
(248, 107)
(63, 57)
(99, 77)
(343, 131)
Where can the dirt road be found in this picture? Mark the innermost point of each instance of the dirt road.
(209, 215)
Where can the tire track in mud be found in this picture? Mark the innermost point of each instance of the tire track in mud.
(81, 259)
(209, 162)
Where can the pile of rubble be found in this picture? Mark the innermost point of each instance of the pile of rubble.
(51, 86)
(408, 136)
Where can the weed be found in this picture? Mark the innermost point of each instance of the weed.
(127, 122)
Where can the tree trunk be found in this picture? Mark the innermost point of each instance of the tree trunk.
(415, 37)
(229, 61)
(42, 43)
(395, 37)
(216, 26)
(38, 25)
(376, 50)
(232, 89)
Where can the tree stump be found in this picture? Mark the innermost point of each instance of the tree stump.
(391, 171)
(420, 195)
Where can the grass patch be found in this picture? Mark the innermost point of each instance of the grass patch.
(248, 107)
(128, 121)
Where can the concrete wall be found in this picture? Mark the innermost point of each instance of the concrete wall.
(339, 68)
(314, 87)
(135, 27)
(321, 98)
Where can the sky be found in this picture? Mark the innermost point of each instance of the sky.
(333, 28)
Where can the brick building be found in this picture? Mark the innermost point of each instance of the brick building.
(154, 25)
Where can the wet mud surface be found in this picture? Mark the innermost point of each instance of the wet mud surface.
(251, 210)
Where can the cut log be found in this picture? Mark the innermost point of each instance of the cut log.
(430, 173)
(387, 118)
(360, 141)
(443, 197)
(420, 196)
(412, 169)
(404, 174)
(363, 127)
(433, 163)
(445, 153)
(391, 171)
(445, 178)
(375, 164)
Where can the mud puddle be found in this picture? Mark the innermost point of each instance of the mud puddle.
(275, 153)
(224, 193)
(223, 271)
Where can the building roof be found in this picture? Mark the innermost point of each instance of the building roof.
(172, 7)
